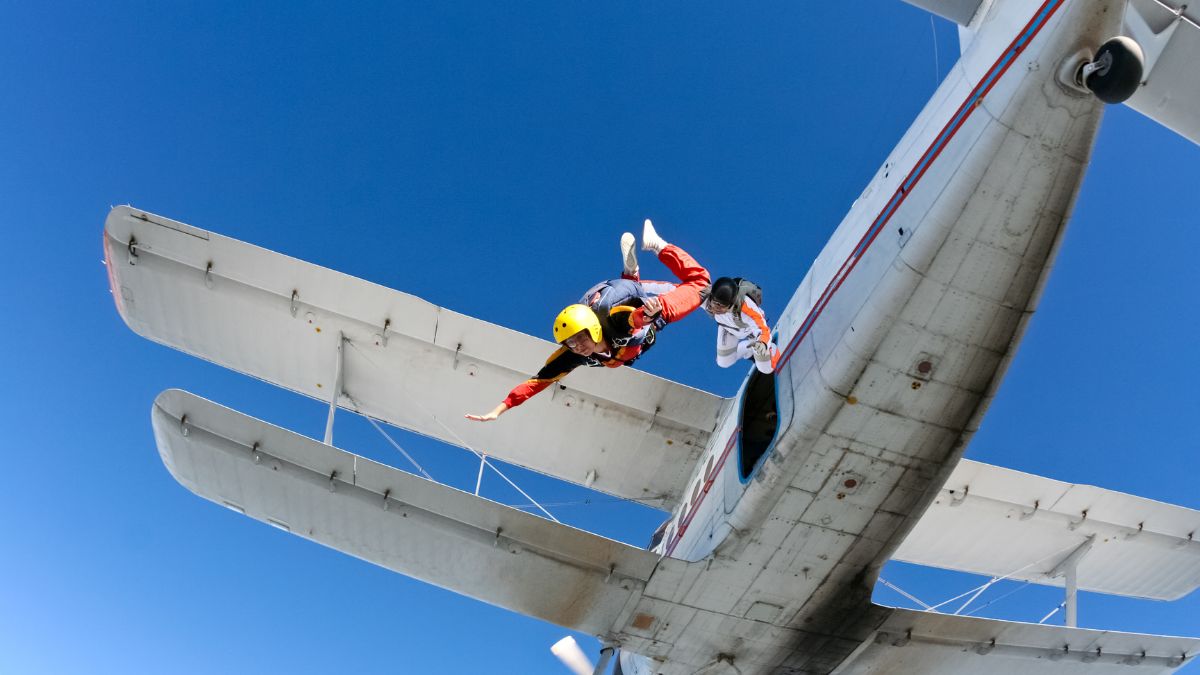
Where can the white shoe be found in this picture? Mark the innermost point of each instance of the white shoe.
(650, 239)
(629, 254)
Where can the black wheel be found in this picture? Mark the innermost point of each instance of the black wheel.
(1116, 71)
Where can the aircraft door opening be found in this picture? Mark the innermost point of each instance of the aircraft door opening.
(759, 417)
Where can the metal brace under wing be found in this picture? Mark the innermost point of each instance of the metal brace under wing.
(405, 361)
(419, 528)
(999, 522)
(933, 644)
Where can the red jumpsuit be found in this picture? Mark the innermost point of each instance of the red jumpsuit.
(678, 300)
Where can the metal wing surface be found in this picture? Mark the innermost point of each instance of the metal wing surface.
(404, 360)
(403, 522)
(1004, 523)
(958, 11)
(1169, 33)
(937, 644)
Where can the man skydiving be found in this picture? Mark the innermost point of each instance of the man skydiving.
(616, 321)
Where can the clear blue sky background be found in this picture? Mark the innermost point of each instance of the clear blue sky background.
(486, 157)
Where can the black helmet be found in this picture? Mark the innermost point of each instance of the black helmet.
(723, 291)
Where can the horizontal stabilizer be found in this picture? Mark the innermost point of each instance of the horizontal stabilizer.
(936, 644)
(403, 360)
(1004, 523)
(405, 523)
(1169, 34)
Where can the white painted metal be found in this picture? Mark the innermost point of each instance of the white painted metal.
(479, 477)
(278, 319)
(337, 389)
(892, 377)
(606, 655)
(1071, 602)
(1169, 33)
(958, 11)
(900, 345)
(405, 523)
(572, 656)
(994, 521)
(1069, 569)
(921, 642)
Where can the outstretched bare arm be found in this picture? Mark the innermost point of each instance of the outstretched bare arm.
(488, 417)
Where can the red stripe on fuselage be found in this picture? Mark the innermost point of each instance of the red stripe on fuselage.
(987, 82)
(956, 122)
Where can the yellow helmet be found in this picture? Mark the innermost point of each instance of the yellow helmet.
(574, 319)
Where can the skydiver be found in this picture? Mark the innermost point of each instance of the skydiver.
(742, 331)
(616, 321)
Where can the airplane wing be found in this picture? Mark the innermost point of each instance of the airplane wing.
(401, 359)
(518, 561)
(1000, 522)
(1169, 34)
(958, 11)
(403, 522)
(936, 644)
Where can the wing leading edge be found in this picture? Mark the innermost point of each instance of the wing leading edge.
(933, 644)
(408, 524)
(403, 360)
(958, 11)
(1004, 523)
(1169, 34)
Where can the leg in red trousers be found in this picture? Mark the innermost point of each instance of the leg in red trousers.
(684, 298)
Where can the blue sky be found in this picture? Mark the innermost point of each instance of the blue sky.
(487, 157)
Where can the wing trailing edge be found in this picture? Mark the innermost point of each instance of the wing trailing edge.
(1004, 523)
(405, 523)
(958, 11)
(933, 644)
(1169, 33)
(402, 360)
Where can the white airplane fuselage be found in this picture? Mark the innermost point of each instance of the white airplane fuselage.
(892, 347)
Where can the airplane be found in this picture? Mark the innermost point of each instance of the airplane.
(785, 499)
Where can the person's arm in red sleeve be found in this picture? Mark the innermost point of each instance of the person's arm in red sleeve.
(649, 312)
(557, 366)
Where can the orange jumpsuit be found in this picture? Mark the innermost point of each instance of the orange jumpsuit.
(627, 324)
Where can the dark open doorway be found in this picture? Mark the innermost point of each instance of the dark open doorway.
(759, 421)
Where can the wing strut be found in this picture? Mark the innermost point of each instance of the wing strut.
(337, 389)
(482, 457)
(339, 392)
(1069, 567)
(432, 532)
(387, 436)
(279, 319)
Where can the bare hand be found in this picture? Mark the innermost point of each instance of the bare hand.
(652, 306)
(488, 417)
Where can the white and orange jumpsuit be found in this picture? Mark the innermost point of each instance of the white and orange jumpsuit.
(736, 338)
